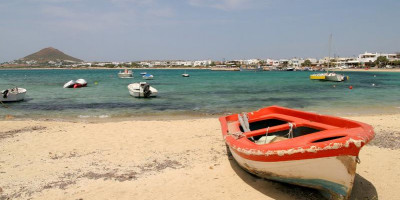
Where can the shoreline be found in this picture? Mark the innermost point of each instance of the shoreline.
(166, 116)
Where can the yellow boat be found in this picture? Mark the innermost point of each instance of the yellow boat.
(317, 76)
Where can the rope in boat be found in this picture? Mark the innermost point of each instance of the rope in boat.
(266, 135)
(244, 122)
(290, 134)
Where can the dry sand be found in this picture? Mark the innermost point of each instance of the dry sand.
(177, 159)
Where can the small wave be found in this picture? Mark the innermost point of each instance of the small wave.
(104, 116)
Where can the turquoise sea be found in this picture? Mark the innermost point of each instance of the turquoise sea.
(204, 93)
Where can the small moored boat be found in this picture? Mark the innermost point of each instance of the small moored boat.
(125, 74)
(142, 89)
(12, 94)
(185, 74)
(75, 84)
(297, 147)
(148, 77)
(329, 76)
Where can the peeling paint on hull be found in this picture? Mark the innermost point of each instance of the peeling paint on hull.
(331, 175)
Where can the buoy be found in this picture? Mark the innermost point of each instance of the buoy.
(373, 84)
(334, 86)
(350, 87)
(374, 75)
(96, 83)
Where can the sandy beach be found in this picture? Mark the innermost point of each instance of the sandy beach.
(162, 159)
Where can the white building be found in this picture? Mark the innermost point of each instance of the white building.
(371, 57)
(184, 63)
(296, 62)
(202, 63)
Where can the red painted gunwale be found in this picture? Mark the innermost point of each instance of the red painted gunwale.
(330, 127)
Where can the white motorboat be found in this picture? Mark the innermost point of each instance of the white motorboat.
(12, 94)
(142, 89)
(125, 74)
(148, 77)
(69, 84)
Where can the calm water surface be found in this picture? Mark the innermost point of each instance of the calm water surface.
(204, 93)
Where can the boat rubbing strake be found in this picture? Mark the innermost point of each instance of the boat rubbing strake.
(298, 147)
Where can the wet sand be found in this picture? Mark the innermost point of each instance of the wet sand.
(162, 159)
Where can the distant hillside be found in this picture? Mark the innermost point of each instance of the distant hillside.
(49, 54)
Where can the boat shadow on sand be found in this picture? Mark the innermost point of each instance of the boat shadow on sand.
(362, 188)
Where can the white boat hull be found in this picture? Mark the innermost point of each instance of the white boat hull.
(334, 176)
(136, 90)
(13, 95)
(151, 77)
(82, 82)
(335, 78)
(69, 84)
(125, 75)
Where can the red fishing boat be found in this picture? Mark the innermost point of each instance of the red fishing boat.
(297, 147)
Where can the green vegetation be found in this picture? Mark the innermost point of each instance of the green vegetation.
(306, 63)
(381, 61)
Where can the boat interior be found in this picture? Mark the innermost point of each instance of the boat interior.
(265, 128)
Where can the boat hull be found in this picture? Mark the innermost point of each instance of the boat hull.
(135, 90)
(335, 78)
(14, 96)
(69, 84)
(307, 149)
(333, 176)
(148, 77)
(125, 75)
(317, 77)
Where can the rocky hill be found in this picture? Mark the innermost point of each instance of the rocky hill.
(49, 54)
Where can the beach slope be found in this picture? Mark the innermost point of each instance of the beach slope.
(166, 159)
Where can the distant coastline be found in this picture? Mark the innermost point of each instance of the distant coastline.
(369, 70)
(183, 68)
(89, 68)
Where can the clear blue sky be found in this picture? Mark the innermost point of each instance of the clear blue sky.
(129, 30)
